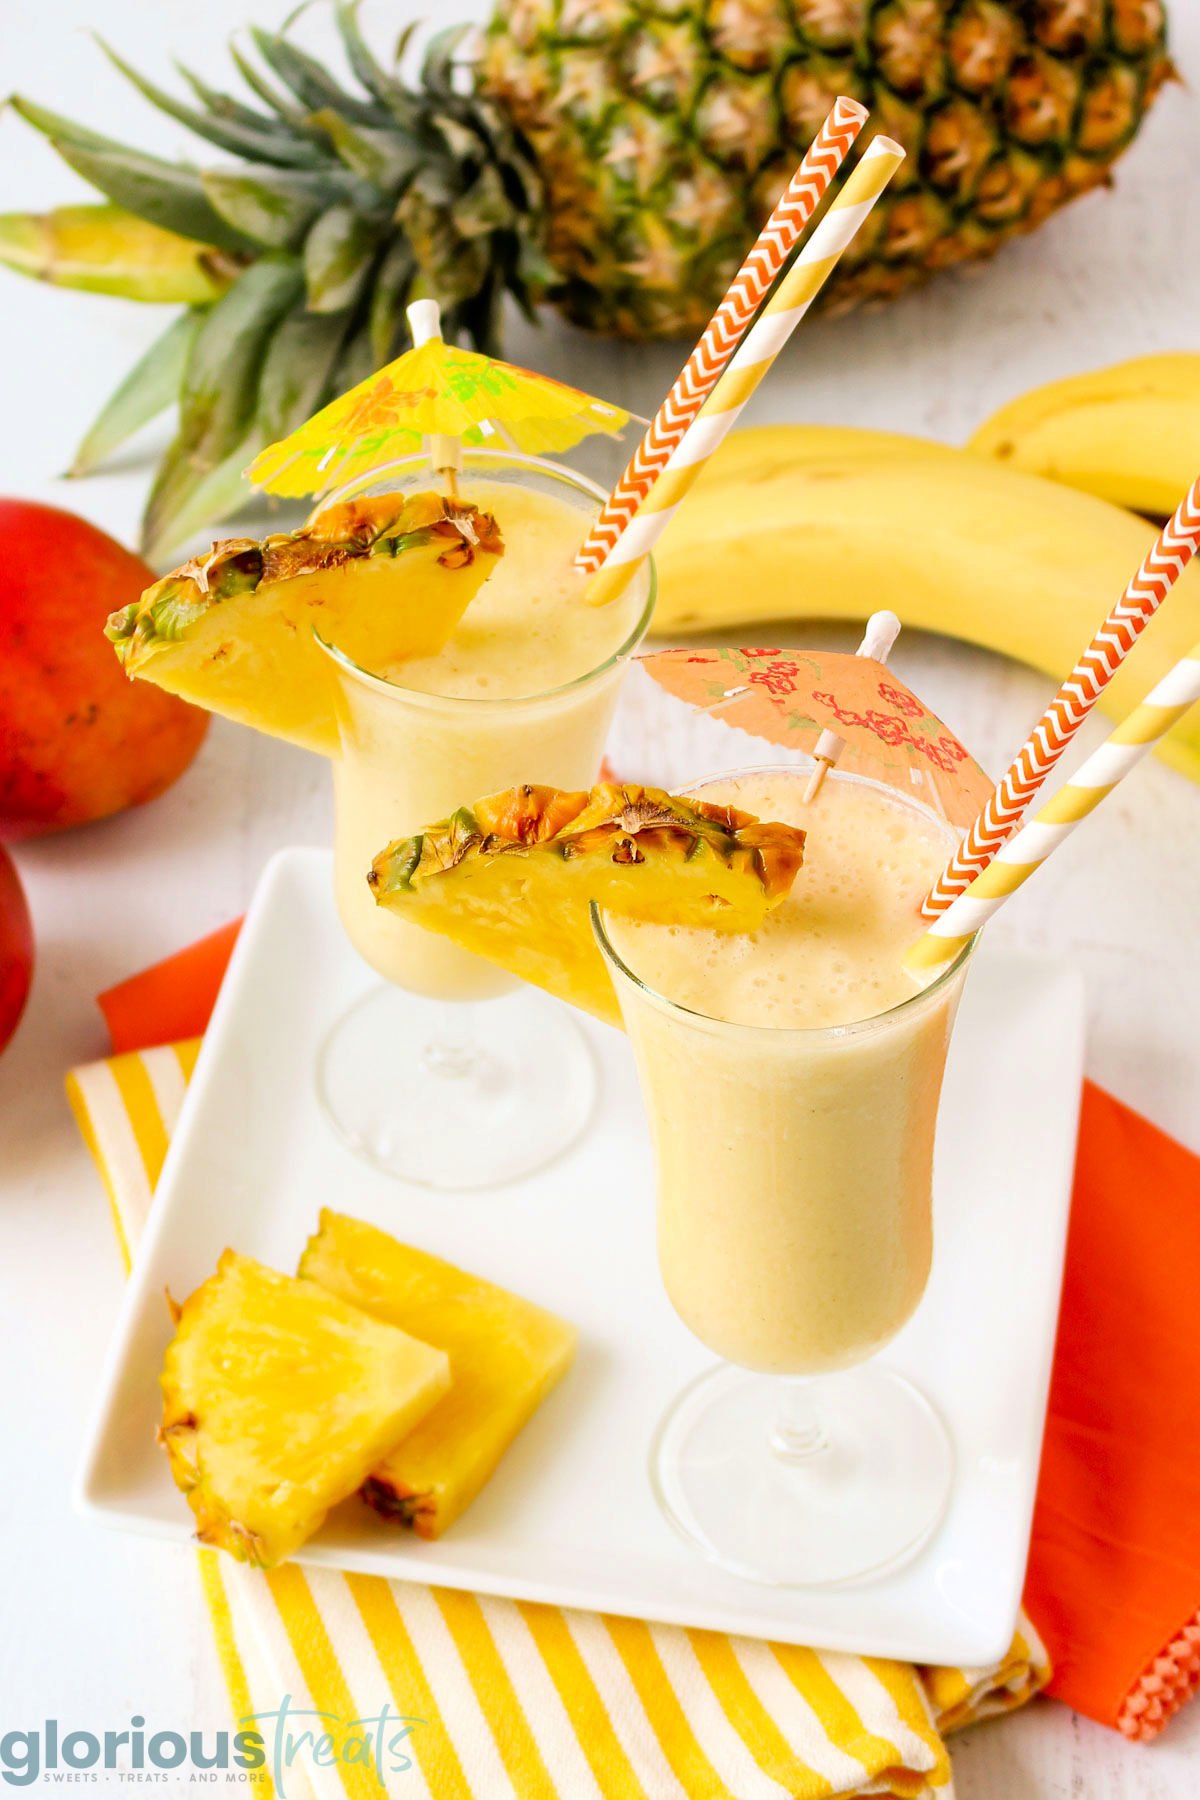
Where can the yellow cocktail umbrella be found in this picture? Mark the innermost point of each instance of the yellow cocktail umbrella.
(438, 392)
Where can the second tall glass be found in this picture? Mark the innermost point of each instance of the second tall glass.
(794, 1171)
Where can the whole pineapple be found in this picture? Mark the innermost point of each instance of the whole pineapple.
(665, 131)
(612, 157)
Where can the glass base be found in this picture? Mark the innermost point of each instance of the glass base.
(853, 1488)
(452, 1095)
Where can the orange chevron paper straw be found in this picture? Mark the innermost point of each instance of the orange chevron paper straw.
(699, 375)
(1016, 860)
(1173, 549)
(774, 325)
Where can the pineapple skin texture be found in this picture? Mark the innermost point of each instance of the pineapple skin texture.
(278, 1399)
(506, 1354)
(665, 132)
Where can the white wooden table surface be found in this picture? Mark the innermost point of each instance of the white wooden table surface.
(97, 1626)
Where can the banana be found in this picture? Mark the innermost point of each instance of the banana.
(1130, 433)
(817, 522)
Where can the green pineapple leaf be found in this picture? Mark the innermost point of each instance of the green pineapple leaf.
(165, 194)
(356, 362)
(216, 494)
(479, 316)
(298, 371)
(105, 250)
(223, 107)
(219, 396)
(379, 157)
(389, 296)
(374, 77)
(295, 117)
(276, 208)
(438, 64)
(484, 207)
(58, 129)
(406, 107)
(338, 253)
(452, 267)
(262, 142)
(149, 388)
(404, 38)
(310, 83)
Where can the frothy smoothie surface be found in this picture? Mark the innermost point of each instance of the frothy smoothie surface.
(529, 629)
(833, 951)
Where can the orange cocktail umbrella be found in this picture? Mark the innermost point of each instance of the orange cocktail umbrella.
(794, 698)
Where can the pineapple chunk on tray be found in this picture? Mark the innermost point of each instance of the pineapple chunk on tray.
(379, 1369)
(278, 1400)
(505, 1356)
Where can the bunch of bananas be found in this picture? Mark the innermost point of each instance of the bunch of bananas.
(793, 522)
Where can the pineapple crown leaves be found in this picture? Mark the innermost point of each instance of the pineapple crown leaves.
(347, 201)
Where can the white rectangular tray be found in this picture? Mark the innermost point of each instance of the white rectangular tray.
(570, 1517)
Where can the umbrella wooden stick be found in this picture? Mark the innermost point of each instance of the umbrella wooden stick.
(445, 451)
(883, 628)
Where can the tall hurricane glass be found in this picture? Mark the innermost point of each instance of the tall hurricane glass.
(794, 1174)
(420, 1077)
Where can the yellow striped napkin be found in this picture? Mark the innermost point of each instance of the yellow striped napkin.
(510, 1701)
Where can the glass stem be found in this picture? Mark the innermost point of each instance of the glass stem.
(453, 1053)
(798, 1434)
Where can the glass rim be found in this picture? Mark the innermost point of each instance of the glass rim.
(809, 1033)
(420, 696)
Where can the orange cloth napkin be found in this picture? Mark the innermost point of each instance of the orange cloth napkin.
(1113, 1584)
(173, 999)
(1114, 1569)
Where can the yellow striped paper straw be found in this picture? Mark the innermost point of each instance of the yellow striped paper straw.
(780, 315)
(1016, 861)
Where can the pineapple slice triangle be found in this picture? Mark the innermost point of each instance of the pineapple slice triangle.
(512, 877)
(506, 1354)
(383, 578)
(278, 1400)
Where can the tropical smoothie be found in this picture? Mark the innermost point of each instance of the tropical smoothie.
(523, 691)
(791, 1078)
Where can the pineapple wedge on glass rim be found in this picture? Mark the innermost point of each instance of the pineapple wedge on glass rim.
(506, 1354)
(513, 877)
(382, 578)
(279, 1398)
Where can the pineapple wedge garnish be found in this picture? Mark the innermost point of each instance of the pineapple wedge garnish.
(383, 578)
(278, 1400)
(506, 1354)
(512, 877)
